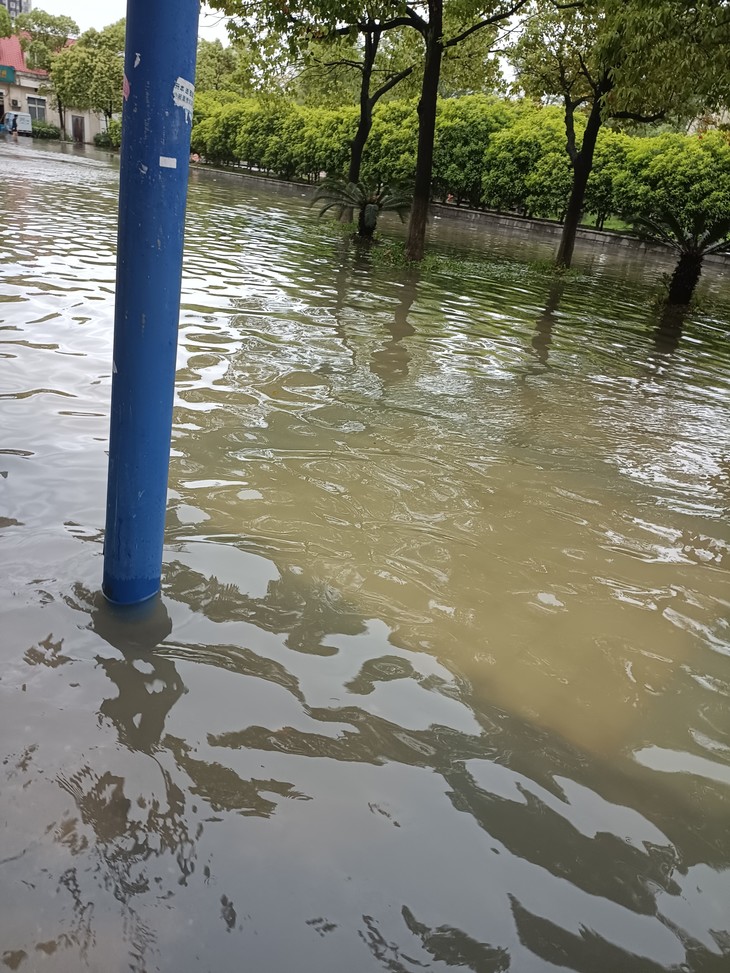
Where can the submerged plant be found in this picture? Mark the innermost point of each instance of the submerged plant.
(339, 195)
(693, 245)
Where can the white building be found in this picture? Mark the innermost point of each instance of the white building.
(16, 7)
(22, 89)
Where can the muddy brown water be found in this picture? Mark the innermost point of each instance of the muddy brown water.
(439, 678)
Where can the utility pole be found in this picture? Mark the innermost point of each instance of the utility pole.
(159, 75)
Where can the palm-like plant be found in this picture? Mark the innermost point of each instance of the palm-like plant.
(340, 195)
(693, 245)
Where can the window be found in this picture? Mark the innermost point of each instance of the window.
(37, 108)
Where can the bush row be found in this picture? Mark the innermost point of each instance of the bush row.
(42, 130)
(500, 154)
(111, 138)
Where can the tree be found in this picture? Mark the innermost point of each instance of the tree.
(225, 68)
(106, 50)
(428, 18)
(390, 155)
(6, 24)
(42, 35)
(303, 22)
(686, 175)
(333, 37)
(525, 168)
(676, 190)
(692, 245)
(329, 72)
(608, 163)
(621, 59)
(387, 54)
(69, 74)
(90, 73)
(343, 196)
(464, 128)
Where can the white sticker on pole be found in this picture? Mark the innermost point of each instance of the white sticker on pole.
(168, 162)
(183, 94)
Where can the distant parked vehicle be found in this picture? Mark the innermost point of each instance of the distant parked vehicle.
(25, 125)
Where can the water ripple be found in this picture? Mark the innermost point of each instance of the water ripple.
(441, 667)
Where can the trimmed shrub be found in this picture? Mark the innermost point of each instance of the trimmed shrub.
(42, 130)
(112, 138)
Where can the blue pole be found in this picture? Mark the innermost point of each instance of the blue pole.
(159, 71)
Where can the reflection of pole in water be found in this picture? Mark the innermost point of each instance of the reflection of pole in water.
(148, 683)
(390, 361)
(131, 829)
(543, 337)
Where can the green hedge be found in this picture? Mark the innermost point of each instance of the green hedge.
(42, 130)
(499, 153)
(112, 138)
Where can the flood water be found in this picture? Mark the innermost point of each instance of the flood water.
(440, 675)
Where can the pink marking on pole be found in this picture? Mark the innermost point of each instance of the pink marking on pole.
(125, 87)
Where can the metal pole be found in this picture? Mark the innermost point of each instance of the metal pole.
(159, 71)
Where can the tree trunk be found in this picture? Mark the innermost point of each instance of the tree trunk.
(582, 166)
(61, 116)
(357, 146)
(365, 230)
(684, 279)
(365, 122)
(416, 240)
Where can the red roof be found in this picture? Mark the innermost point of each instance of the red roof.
(11, 55)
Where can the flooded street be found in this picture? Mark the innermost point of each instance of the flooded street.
(441, 667)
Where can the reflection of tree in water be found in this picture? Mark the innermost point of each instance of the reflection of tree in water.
(454, 948)
(543, 336)
(446, 944)
(312, 613)
(46, 653)
(601, 864)
(346, 261)
(665, 341)
(128, 834)
(666, 338)
(668, 332)
(308, 610)
(390, 361)
(587, 952)
(224, 790)
(529, 826)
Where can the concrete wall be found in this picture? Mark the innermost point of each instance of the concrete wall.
(547, 229)
(552, 229)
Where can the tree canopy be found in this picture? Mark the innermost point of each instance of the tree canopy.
(406, 93)
(231, 68)
(6, 24)
(42, 35)
(89, 74)
(618, 59)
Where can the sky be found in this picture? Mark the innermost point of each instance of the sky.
(99, 13)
